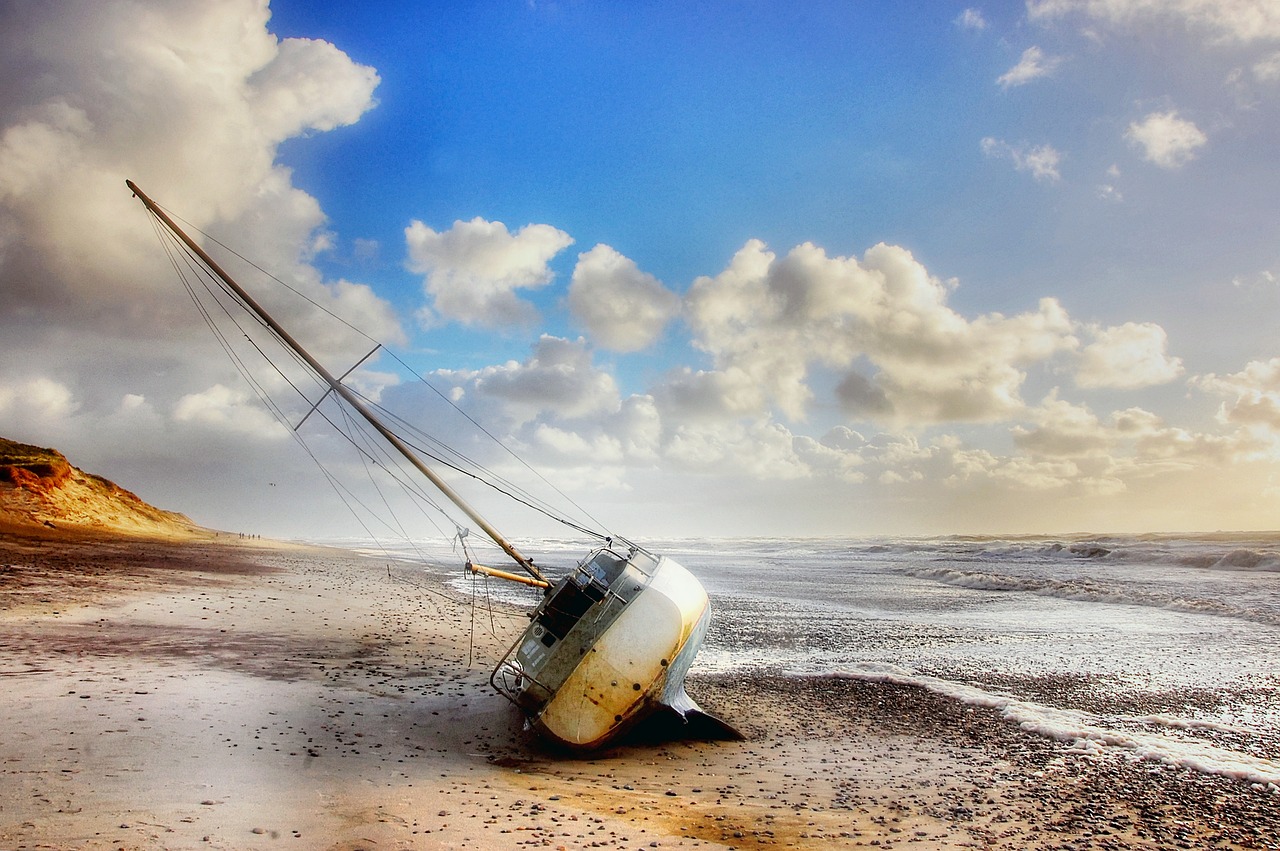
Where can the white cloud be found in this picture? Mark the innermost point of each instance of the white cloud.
(35, 404)
(1126, 356)
(1230, 20)
(49, 139)
(767, 322)
(557, 379)
(638, 428)
(309, 85)
(1165, 139)
(1253, 395)
(1109, 455)
(228, 411)
(191, 99)
(564, 447)
(761, 450)
(1061, 429)
(474, 269)
(1040, 160)
(191, 103)
(621, 307)
(1033, 65)
(1071, 458)
(971, 19)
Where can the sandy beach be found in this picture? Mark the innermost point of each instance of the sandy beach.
(240, 694)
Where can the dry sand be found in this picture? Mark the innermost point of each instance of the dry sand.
(243, 696)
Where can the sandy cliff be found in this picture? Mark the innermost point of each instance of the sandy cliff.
(40, 488)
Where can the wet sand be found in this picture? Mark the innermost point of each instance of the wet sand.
(239, 695)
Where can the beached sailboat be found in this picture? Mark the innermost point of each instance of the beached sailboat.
(609, 644)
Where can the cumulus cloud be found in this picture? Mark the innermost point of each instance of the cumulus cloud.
(1126, 356)
(759, 449)
(1165, 139)
(1040, 160)
(228, 411)
(35, 404)
(1032, 66)
(1061, 429)
(621, 307)
(1226, 20)
(191, 99)
(768, 321)
(1108, 455)
(1253, 395)
(560, 409)
(309, 85)
(689, 395)
(191, 103)
(474, 269)
(558, 378)
(1070, 458)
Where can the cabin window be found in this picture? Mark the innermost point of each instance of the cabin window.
(567, 607)
(588, 585)
(605, 566)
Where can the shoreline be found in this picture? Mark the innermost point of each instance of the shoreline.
(250, 694)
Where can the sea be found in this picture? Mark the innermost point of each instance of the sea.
(1143, 647)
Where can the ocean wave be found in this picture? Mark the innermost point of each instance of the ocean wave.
(1087, 733)
(1257, 552)
(1246, 559)
(1090, 591)
(1227, 553)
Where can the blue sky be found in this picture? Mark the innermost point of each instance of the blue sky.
(675, 134)
(821, 268)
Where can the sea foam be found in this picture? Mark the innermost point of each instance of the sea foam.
(1091, 734)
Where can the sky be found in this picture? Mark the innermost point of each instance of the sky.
(716, 269)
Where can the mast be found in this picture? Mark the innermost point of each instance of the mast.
(341, 389)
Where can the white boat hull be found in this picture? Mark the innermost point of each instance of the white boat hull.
(602, 656)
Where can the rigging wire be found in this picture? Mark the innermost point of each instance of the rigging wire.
(168, 241)
(444, 397)
(197, 279)
(371, 452)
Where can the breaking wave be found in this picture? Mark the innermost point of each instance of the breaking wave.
(1091, 591)
(1197, 554)
(1241, 559)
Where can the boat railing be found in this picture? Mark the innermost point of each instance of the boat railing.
(508, 677)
